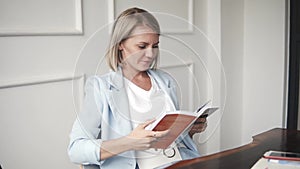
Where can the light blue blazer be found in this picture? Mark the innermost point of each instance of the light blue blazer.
(105, 116)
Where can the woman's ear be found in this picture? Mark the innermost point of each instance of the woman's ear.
(120, 46)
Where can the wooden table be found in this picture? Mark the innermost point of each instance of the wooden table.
(246, 156)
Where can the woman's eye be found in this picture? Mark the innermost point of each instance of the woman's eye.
(142, 46)
(145, 46)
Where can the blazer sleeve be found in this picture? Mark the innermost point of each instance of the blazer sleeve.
(84, 146)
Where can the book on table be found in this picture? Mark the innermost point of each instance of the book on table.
(278, 160)
(177, 122)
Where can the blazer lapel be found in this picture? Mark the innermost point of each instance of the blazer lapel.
(166, 86)
(118, 101)
(162, 83)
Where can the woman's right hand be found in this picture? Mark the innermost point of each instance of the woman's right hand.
(141, 139)
(138, 139)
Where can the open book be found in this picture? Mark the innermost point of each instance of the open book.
(177, 122)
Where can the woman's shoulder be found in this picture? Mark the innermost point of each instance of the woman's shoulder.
(100, 80)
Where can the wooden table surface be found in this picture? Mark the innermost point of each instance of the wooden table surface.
(245, 157)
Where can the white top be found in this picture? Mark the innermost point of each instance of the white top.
(146, 105)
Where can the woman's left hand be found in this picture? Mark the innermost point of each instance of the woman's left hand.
(199, 126)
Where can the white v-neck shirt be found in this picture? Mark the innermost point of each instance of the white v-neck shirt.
(146, 105)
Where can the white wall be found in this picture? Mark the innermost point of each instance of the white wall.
(37, 109)
(232, 50)
(214, 66)
(246, 35)
(263, 66)
(34, 124)
(253, 53)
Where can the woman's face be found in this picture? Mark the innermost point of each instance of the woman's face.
(140, 49)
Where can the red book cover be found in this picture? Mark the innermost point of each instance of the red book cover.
(176, 123)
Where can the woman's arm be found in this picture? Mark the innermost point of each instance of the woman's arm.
(138, 139)
(86, 148)
(84, 144)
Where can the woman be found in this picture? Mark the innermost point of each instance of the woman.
(110, 130)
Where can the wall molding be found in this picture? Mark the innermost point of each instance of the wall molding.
(189, 65)
(35, 28)
(39, 80)
(169, 30)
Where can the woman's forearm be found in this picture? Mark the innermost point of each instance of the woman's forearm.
(138, 139)
(114, 147)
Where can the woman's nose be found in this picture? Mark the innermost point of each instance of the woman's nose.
(150, 52)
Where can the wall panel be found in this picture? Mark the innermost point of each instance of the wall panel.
(35, 124)
(40, 17)
(175, 18)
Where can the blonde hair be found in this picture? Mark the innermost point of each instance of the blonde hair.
(122, 29)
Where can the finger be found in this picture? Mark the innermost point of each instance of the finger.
(197, 130)
(144, 125)
(200, 120)
(158, 134)
(199, 127)
(203, 127)
(150, 133)
(204, 120)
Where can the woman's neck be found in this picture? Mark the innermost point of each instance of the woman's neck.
(140, 78)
